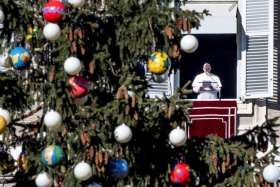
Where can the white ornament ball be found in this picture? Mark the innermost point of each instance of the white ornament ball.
(52, 120)
(123, 133)
(177, 137)
(189, 43)
(43, 180)
(51, 31)
(72, 66)
(77, 3)
(6, 114)
(271, 173)
(2, 16)
(83, 171)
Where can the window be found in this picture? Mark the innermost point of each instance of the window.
(220, 51)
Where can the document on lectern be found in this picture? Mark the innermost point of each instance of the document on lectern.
(207, 86)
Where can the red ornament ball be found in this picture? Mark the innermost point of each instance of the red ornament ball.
(180, 174)
(79, 86)
(53, 11)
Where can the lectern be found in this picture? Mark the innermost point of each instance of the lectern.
(216, 117)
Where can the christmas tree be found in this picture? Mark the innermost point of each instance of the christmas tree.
(74, 96)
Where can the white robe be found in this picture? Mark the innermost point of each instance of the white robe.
(207, 85)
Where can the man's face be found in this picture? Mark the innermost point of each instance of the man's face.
(207, 68)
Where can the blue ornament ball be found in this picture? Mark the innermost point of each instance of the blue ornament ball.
(20, 57)
(52, 155)
(118, 168)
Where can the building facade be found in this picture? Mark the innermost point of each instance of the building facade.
(241, 41)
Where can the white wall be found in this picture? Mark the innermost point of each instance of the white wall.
(221, 20)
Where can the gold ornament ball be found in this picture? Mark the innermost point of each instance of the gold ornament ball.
(158, 62)
(2, 124)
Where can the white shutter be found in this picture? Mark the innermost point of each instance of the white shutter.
(157, 89)
(167, 87)
(259, 48)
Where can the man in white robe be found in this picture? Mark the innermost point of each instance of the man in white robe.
(207, 84)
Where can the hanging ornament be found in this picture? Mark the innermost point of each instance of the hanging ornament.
(77, 3)
(180, 174)
(160, 78)
(158, 62)
(271, 173)
(3, 124)
(189, 43)
(123, 133)
(6, 114)
(23, 162)
(53, 11)
(177, 137)
(20, 57)
(72, 66)
(118, 168)
(79, 86)
(43, 180)
(52, 120)
(51, 31)
(83, 171)
(2, 16)
(52, 155)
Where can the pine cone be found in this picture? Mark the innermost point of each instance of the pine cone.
(136, 116)
(92, 67)
(106, 157)
(74, 47)
(90, 153)
(214, 159)
(103, 169)
(223, 167)
(126, 110)
(51, 75)
(227, 161)
(96, 158)
(171, 110)
(133, 101)
(93, 126)
(98, 169)
(70, 35)
(122, 93)
(169, 32)
(85, 138)
(100, 159)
